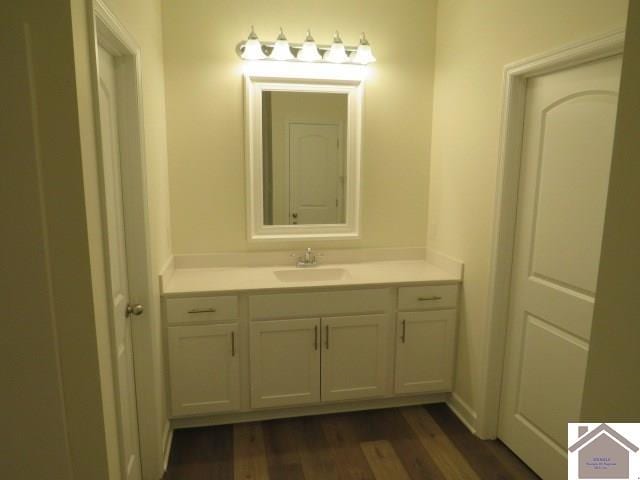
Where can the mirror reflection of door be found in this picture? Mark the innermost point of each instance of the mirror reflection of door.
(314, 174)
(303, 157)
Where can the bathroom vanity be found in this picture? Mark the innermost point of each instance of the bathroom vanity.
(249, 343)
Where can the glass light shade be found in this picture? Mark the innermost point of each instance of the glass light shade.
(337, 53)
(363, 55)
(281, 50)
(252, 48)
(309, 51)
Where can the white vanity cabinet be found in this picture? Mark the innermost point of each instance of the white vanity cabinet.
(425, 339)
(303, 361)
(355, 357)
(203, 358)
(204, 369)
(322, 358)
(259, 354)
(285, 362)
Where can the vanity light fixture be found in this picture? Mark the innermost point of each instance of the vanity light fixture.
(281, 50)
(363, 54)
(252, 48)
(308, 51)
(337, 52)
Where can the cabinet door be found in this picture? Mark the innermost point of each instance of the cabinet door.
(285, 362)
(424, 354)
(204, 369)
(354, 357)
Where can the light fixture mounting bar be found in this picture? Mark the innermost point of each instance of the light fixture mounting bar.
(268, 46)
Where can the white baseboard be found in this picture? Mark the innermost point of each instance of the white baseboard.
(167, 439)
(463, 411)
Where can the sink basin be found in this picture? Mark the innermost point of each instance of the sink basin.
(311, 274)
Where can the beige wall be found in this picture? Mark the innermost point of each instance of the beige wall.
(205, 113)
(142, 20)
(612, 387)
(475, 40)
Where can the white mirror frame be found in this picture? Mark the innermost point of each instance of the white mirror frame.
(349, 81)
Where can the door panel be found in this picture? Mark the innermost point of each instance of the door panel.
(424, 352)
(204, 369)
(552, 361)
(566, 155)
(285, 362)
(577, 131)
(314, 164)
(118, 278)
(354, 357)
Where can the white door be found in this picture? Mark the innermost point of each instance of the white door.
(314, 174)
(424, 353)
(204, 369)
(285, 362)
(566, 155)
(354, 357)
(119, 287)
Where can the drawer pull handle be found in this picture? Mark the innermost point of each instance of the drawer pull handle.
(403, 337)
(202, 310)
(233, 344)
(315, 338)
(429, 299)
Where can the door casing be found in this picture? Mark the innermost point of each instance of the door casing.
(505, 205)
(107, 31)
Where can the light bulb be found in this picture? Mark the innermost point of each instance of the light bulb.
(337, 53)
(363, 55)
(281, 50)
(252, 48)
(309, 51)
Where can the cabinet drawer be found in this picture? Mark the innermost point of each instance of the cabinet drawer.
(310, 304)
(427, 297)
(201, 309)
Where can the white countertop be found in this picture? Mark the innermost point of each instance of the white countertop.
(183, 281)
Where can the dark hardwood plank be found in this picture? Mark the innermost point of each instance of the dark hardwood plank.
(449, 460)
(351, 463)
(202, 454)
(292, 471)
(389, 424)
(512, 462)
(416, 443)
(383, 460)
(249, 454)
(316, 456)
(283, 458)
(490, 459)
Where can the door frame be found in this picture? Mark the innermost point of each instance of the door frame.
(515, 78)
(107, 31)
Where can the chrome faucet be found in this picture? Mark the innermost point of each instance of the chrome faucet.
(308, 260)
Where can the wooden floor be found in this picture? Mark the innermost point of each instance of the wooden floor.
(393, 444)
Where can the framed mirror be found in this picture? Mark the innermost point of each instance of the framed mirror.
(303, 154)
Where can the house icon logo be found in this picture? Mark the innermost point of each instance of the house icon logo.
(603, 452)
